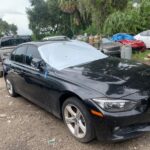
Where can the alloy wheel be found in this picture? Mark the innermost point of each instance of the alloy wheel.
(75, 121)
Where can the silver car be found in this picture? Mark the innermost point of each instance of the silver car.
(110, 47)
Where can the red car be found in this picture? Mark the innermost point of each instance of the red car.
(135, 44)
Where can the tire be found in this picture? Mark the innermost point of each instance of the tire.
(1, 74)
(78, 120)
(10, 88)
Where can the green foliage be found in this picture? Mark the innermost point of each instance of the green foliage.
(145, 13)
(47, 19)
(71, 17)
(39, 17)
(7, 29)
(91, 30)
(125, 22)
(132, 20)
(13, 29)
(140, 56)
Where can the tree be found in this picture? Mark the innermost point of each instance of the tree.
(47, 19)
(13, 29)
(91, 14)
(38, 17)
(71, 17)
(7, 29)
(80, 20)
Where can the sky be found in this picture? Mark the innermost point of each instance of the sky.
(14, 11)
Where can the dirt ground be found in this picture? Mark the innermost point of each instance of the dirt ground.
(24, 126)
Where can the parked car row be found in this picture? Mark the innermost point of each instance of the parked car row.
(112, 45)
(139, 42)
(7, 44)
(129, 40)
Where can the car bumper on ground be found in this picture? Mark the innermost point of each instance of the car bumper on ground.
(112, 53)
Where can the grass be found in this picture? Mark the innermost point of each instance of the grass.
(139, 56)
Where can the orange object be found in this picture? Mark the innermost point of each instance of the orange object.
(96, 113)
(91, 39)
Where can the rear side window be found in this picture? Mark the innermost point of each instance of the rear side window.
(19, 54)
(32, 52)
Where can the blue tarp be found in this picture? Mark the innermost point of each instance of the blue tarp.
(122, 36)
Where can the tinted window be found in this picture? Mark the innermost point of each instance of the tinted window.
(12, 41)
(32, 52)
(20, 53)
(9, 42)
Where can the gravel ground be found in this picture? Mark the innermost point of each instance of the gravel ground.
(24, 126)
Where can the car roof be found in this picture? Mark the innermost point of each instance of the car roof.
(50, 40)
(41, 43)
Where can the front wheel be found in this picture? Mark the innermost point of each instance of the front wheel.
(78, 120)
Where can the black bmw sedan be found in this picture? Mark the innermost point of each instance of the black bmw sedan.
(95, 95)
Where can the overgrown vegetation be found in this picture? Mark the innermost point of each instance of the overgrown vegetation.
(71, 17)
(131, 20)
(141, 56)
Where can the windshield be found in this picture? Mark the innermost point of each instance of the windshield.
(67, 54)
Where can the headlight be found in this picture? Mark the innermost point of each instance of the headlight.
(111, 105)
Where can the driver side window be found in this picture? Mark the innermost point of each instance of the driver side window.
(32, 52)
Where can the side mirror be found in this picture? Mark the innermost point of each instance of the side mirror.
(36, 62)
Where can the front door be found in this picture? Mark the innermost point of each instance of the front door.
(36, 83)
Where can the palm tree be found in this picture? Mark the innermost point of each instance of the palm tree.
(68, 6)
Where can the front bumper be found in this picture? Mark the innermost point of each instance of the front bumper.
(110, 52)
(121, 126)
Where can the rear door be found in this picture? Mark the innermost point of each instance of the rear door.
(17, 67)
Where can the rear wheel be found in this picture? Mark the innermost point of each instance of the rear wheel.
(10, 88)
(1, 73)
(78, 120)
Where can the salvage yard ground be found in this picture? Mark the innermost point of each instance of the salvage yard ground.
(142, 56)
(24, 126)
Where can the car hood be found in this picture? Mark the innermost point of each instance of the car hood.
(111, 77)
